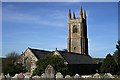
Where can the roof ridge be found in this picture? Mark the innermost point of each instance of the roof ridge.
(40, 50)
(73, 53)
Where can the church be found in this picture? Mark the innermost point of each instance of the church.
(76, 57)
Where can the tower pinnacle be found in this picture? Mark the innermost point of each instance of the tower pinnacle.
(73, 15)
(69, 14)
(81, 13)
(85, 14)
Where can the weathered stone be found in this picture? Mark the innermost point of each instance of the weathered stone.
(68, 76)
(8, 77)
(15, 76)
(20, 76)
(30, 59)
(49, 72)
(96, 75)
(108, 75)
(2, 76)
(43, 75)
(27, 77)
(59, 75)
(77, 76)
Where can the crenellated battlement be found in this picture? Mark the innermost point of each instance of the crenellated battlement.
(73, 16)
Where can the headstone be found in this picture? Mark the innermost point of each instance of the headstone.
(96, 75)
(43, 75)
(14, 77)
(2, 76)
(108, 75)
(77, 76)
(27, 77)
(21, 76)
(59, 75)
(8, 77)
(49, 72)
(68, 76)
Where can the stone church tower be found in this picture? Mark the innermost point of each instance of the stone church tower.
(77, 33)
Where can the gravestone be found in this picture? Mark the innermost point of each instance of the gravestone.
(14, 77)
(108, 75)
(68, 76)
(96, 75)
(77, 76)
(49, 72)
(27, 77)
(43, 75)
(20, 76)
(59, 75)
(8, 77)
(2, 77)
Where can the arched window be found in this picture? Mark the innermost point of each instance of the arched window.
(74, 48)
(74, 29)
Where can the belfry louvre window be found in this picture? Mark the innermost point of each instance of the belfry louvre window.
(74, 29)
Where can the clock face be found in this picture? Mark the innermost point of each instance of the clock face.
(75, 29)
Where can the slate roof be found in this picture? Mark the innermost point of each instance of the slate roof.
(40, 53)
(76, 58)
(70, 57)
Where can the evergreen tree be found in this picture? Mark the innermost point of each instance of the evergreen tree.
(117, 56)
(56, 61)
(109, 65)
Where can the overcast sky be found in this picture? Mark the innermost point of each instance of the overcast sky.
(44, 26)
